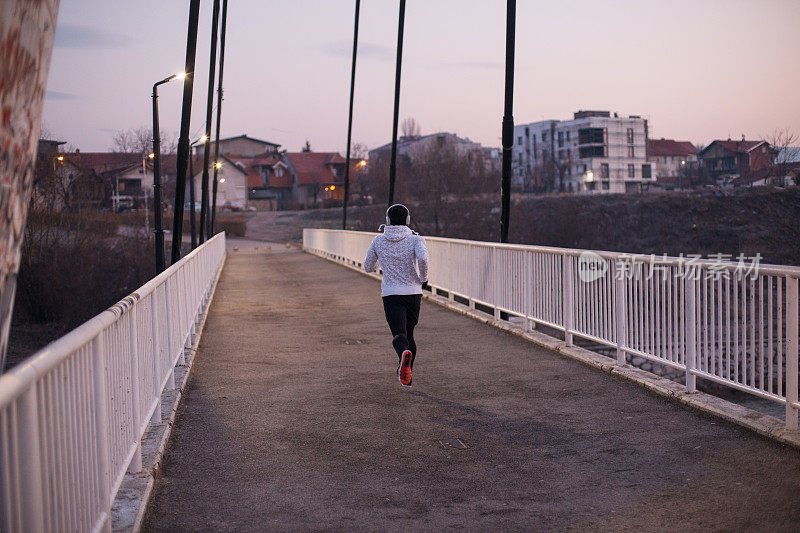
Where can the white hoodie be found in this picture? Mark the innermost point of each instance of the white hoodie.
(400, 251)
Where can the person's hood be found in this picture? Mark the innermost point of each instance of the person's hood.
(396, 233)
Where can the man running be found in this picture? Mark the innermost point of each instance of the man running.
(400, 252)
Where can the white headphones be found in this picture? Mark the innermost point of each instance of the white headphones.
(408, 214)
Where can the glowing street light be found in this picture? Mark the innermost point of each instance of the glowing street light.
(218, 165)
(60, 158)
(156, 157)
(362, 163)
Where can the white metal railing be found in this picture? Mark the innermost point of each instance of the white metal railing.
(72, 416)
(723, 321)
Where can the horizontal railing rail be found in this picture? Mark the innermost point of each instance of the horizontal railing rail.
(72, 416)
(733, 322)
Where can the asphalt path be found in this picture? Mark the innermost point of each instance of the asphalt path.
(294, 420)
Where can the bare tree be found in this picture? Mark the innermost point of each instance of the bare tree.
(307, 146)
(439, 174)
(358, 151)
(410, 127)
(140, 141)
(781, 142)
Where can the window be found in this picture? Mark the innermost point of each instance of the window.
(631, 171)
(604, 171)
(560, 139)
(630, 151)
(592, 136)
(519, 140)
(279, 172)
(604, 185)
(568, 136)
(544, 136)
(591, 151)
(646, 172)
(527, 131)
(630, 135)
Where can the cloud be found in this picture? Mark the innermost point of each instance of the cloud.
(78, 36)
(56, 95)
(365, 50)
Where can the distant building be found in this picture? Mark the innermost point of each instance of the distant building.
(776, 175)
(724, 161)
(269, 182)
(317, 178)
(241, 145)
(410, 148)
(674, 162)
(102, 180)
(595, 152)
(232, 181)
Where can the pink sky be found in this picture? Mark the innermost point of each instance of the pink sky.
(700, 69)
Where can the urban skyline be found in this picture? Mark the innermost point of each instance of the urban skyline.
(698, 72)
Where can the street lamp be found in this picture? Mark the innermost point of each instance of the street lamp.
(156, 156)
(192, 199)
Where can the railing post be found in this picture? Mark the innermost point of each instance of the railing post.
(135, 465)
(791, 352)
(158, 346)
(620, 311)
(30, 463)
(450, 271)
(690, 318)
(568, 290)
(101, 431)
(471, 270)
(527, 287)
(496, 272)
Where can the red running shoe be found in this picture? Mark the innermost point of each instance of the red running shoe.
(405, 369)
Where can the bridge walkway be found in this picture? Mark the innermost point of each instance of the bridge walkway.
(294, 419)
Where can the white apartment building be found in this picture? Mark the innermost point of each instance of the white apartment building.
(595, 152)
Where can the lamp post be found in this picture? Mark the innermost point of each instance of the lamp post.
(393, 162)
(192, 199)
(144, 193)
(159, 230)
(508, 121)
(350, 119)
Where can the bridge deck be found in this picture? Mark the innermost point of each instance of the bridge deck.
(285, 426)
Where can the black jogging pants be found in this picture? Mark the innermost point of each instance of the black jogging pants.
(402, 314)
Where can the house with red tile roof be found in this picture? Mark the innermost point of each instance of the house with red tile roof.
(674, 161)
(726, 160)
(318, 178)
(269, 181)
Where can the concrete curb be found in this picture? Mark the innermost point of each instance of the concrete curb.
(762, 424)
(130, 505)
